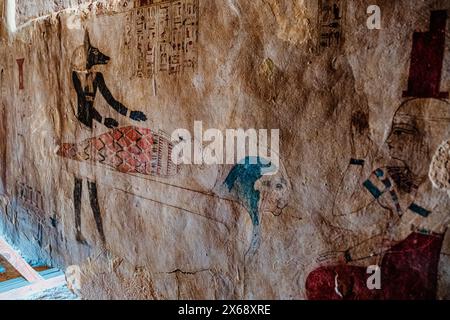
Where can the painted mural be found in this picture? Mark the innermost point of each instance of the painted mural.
(127, 150)
(393, 195)
(242, 180)
(162, 36)
(397, 195)
(141, 151)
(87, 83)
(86, 165)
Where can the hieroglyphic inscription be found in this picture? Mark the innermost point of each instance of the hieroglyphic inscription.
(30, 198)
(161, 36)
(330, 19)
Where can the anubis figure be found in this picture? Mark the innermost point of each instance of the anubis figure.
(87, 82)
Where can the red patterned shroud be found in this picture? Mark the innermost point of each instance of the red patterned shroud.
(128, 150)
(408, 272)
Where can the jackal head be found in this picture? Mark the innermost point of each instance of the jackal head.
(94, 55)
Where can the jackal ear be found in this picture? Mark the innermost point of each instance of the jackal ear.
(87, 40)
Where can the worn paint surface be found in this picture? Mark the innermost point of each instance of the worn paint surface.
(91, 92)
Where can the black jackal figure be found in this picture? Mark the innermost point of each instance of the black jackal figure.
(87, 83)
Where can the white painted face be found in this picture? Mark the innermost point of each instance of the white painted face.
(404, 142)
(418, 127)
(275, 191)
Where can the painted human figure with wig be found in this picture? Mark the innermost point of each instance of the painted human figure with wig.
(404, 214)
(394, 216)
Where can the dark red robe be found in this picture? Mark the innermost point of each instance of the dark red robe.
(408, 272)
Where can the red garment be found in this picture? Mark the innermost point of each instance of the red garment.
(408, 272)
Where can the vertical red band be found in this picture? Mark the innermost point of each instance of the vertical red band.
(427, 59)
(20, 64)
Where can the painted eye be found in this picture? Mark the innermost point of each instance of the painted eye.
(279, 186)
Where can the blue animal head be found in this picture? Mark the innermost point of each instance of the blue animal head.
(244, 175)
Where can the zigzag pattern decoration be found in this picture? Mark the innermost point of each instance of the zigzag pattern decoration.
(127, 150)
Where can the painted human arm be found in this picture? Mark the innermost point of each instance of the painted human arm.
(77, 85)
(380, 218)
(367, 249)
(116, 105)
(373, 196)
(350, 196)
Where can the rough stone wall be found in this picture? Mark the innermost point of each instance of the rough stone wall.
(27, 10)
(188, 232)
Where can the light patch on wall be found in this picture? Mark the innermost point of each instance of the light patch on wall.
(74, 22)
(198, 82)
(27, 10)
(267, 69)
(2, 7)
(11, 15)
(292, 20)
(440, 168)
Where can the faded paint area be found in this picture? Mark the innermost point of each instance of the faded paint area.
(91, 92)
(292, 18)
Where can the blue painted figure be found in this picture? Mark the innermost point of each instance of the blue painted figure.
(242, 179)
